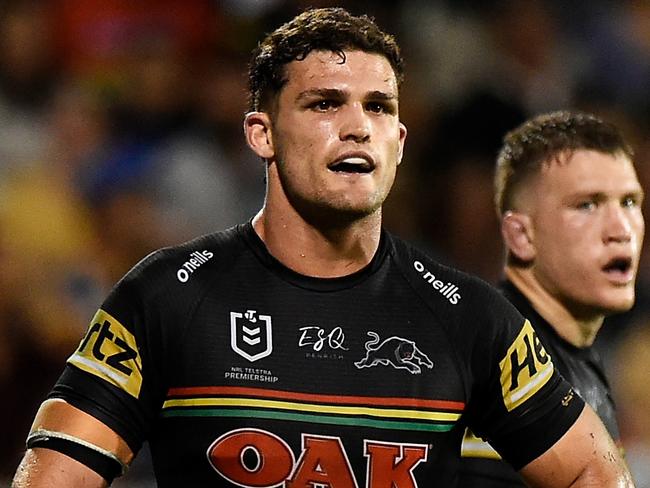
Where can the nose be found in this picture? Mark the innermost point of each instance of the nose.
(355, 125)
(618, 227)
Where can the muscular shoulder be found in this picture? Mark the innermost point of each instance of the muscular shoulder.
(165, 286)
(449, 290)
(471, 312)
(185, 266)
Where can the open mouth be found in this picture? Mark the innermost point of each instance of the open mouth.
(618, 265)
(357, 165)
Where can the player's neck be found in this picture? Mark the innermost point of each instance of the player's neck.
(578, 331)
(318, 252)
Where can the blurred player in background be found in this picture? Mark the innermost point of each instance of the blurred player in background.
(569, 201)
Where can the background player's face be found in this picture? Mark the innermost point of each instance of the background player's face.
(587, 230)
(336, 133)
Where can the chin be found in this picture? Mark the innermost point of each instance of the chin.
(618, 304)
(356, 209)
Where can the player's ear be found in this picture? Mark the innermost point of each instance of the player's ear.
(517, 232)
(258, 132)
(402, 139)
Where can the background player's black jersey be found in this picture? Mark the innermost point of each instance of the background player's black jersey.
(241, 372)
(581, 367)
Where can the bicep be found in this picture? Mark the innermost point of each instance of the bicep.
(584, 456)
(41, 466)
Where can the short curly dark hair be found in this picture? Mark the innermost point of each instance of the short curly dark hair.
(545, 137)
(328, 29)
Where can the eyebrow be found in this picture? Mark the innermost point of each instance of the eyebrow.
(336, 93)
(379, 95)
(320, 92)
(602, 196)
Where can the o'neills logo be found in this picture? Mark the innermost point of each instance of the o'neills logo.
(197, 259)
(448, 290)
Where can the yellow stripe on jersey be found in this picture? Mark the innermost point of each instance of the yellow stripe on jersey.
(109, 351)
(316, 408)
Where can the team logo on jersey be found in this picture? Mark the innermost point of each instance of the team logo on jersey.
(250, 334)
(109, 351)
(395, 351)
(258, 458)
(525, 368)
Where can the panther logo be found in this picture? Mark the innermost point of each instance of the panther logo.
(395, 351)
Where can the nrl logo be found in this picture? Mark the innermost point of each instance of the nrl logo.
(250, 334)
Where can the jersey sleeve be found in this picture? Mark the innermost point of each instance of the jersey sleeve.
(519, 402)
(116, 374)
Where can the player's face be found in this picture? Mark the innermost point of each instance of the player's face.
(336, 133)
(588, 230)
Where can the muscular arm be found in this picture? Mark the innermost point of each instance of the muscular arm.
(45, 468)
(585, 457)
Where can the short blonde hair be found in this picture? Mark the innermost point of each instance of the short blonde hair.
(545, 138)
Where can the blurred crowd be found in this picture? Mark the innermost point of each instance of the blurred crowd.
(121, 132)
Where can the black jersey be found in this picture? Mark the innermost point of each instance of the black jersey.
(581, 367)
(241, 372)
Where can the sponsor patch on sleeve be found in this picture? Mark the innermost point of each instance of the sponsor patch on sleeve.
(109, 351)
(525, 368)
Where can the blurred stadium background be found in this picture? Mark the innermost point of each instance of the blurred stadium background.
(120, 132)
